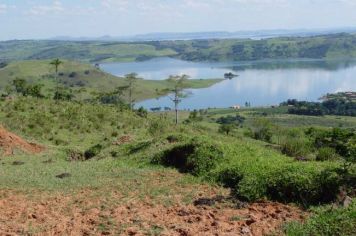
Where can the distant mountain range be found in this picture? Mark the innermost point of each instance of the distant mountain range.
(257, 34)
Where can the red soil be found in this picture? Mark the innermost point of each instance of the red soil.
(85, 213)
(9, 142)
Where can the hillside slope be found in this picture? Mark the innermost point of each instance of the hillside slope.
(83, 79)
(315, 47)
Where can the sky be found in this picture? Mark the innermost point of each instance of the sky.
(39, 19)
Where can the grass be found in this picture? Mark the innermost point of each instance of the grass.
(249, 167)
(85, 79)
(326, 220)
(279, 116)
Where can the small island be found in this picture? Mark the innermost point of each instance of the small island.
(229, 75)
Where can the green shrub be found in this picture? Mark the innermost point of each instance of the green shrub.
(230, 177)
(304, 185)
(295, 146)
(157, 127)
(326, 154)
(227, 128)
(142, 112)
(198, 156)
(262, 129)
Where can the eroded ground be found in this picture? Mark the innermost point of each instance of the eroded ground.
(110, 212)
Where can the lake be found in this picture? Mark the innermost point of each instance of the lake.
(261, 83)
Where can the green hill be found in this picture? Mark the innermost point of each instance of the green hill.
(84, 78)
(315, 47)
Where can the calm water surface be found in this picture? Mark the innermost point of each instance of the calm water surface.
(260, 83)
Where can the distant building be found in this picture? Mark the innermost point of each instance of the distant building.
(236, 107)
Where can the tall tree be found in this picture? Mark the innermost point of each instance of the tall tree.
(177, 84)
(131, 80)
(56, 63)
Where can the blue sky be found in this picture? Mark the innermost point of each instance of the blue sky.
(33, 19)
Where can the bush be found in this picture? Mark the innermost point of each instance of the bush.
(262, 129)
(142, 112)
(157, 127)
(295, 146)
(307, 186)
(226, 128)
(73, 74)
(93, 151)
(197, 156)
(230, 178)
(326, 154)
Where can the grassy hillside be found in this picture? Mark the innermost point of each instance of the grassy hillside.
(114, 160)
(83, 78)
(83, 51)
(317, 47)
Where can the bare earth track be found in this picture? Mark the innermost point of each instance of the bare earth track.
(86, 213)
(9, 142)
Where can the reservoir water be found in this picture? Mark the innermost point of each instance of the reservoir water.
(261, 83)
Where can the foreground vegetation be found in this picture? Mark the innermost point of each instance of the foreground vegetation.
(316, 47)
(110, 145)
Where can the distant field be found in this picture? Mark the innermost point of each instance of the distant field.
(280, 117)
(317, 47)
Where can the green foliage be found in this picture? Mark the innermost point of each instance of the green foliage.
(351, 147)
(63, 94)
(22, 87)
(336, 138)
(326, 221)
(295, 144)
(262, 129)
(333, 106)
(194, 116)
(157, 127)
(142, 112)
(326, 154)
(326, 46)
(198, 156)
(237, 120)
(227, 128)
(307, 186)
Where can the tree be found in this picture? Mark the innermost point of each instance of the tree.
(56, 63)
(226, 128)
(177, 84)
(114, 97)
(131, 80)
(20, 85)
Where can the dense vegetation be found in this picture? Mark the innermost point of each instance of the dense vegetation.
(334, 106)
(317, 47)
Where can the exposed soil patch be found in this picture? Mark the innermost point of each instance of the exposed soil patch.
(9, 142)
(122, 140)
(86, 213)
